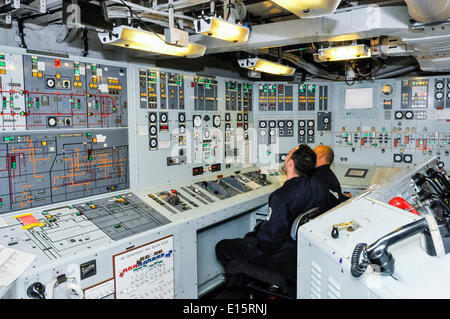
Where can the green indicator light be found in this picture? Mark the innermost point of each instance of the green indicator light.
(29, 104)
(77, 71)
(2, 56)
(88, 134)
(22, 113)
(265, 91)
(2, 63)
(94, 67)
(14, 165)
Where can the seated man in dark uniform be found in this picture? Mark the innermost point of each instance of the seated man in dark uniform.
(323, 172)
(271, 245)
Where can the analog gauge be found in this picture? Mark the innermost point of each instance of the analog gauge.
(289, 123)
(216, 121)
(262, 124)
(310, 132)
(245, 117)
(153, 143)
(227, 117)
(272, 132)
(272, 124)
(181, 117)
(283, 157)
(439, 85)
(163, 117)
(263, 133)
(153, 130)
(387, 89)
(301, 123)
(397, 158)
(409, 115)
(301, 132)
(51, 121)
(181, 129)
(326, 120)
(439, 95)
(50, 82)
(152, 117)
(310, 123)
(408, 158)
(398, 115)
(281, 124)
(197, 121)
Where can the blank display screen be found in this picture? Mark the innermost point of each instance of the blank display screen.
(357, 99)
(356, 172)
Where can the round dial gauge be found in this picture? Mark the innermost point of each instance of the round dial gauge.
(152, 130)
(281, 124)
(310, 132)
(289, 123)
(181, 117)
(398, 115)
(409, 115)
(310, 123)
(439, 85)
(272, 132)
(439, 95)
(262, 124)
(301, 123)
(272, 124)
(163, 117)
(408, 158)
(326, 120)
(153, 142)
(182, 129)
(263, 133)
(51, 121)
(216, 121)
(397, 158)
(197, 121)
(301, 132)
(153, 117)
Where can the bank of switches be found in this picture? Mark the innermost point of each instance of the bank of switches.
(209, 191)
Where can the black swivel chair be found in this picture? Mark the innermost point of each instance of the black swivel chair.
(278, 283)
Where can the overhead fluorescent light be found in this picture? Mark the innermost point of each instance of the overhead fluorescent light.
(266, 66)
(138, 39)
(309, 8)
(221, 29)
(348, 52)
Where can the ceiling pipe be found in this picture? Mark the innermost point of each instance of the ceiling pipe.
(310, 68)
(396, 72)
(429, 10)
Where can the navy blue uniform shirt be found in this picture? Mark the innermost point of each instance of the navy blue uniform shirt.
(326, 175)
(296, 196)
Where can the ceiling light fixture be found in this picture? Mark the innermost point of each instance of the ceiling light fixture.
(309, 8)
(138, 39)
(348, 52)
(266, 66)
(221, 29)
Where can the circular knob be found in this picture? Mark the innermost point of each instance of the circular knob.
(36, 290)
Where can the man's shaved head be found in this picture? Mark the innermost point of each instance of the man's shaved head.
(325, 152)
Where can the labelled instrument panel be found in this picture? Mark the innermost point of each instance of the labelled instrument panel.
(43, 168)
(11, 93)
(63, 94)
(205, 93)
(148, 83)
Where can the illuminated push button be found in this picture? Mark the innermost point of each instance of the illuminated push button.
(117, 226)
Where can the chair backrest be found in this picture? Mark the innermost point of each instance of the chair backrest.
(303, 219)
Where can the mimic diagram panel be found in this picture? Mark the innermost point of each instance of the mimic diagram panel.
(43, 168)
(12, 117)
(67, 230)
(69, 94)
(145, 272)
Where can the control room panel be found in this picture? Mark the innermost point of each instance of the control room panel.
(115, 174)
